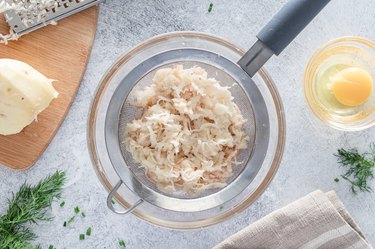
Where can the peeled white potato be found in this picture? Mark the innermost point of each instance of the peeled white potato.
(24, 93)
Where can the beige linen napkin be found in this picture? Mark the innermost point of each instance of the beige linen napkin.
(318, 220)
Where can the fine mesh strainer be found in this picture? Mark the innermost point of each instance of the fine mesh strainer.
(258, 103)
(121, 112)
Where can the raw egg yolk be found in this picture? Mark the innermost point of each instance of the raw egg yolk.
(352, 86)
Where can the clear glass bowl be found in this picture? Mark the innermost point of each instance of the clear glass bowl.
(97, 140)
(342, 52)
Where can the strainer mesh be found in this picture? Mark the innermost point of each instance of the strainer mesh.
(129, 112)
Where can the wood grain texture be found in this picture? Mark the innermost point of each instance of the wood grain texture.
(61, 53)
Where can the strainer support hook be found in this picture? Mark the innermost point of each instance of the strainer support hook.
(110, 198)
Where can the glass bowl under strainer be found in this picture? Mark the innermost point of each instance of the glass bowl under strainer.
(112, 108)
(340, 53)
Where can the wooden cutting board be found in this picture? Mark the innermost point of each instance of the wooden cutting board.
(61, 53)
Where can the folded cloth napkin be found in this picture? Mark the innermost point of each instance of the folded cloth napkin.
(318, 220)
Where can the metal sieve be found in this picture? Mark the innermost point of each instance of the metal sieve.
(121, 112)
(273, 38)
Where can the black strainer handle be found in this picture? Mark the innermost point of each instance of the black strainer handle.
(110, 200)
(280, 31)
(289, 22)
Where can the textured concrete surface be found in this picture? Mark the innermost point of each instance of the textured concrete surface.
(307, 165)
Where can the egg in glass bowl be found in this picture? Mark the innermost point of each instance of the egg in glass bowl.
(339, 83)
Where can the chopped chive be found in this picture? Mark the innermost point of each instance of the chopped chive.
(62, 204)
(210, 7)
(122, 243)
(337, 179)
(71, 219)
(83, 214)
(64, 224)
(113, 201)
(88, 231)
(50, 247)
(76, 210)
(81, 236)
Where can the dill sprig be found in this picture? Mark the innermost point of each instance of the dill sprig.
(122, 243)
(76, 210)
(88, 231)
(359, 167)
(210, 7)
(28, 205)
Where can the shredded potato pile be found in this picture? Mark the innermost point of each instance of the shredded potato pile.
(190, 131)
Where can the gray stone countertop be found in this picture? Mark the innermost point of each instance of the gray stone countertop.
(308, 163)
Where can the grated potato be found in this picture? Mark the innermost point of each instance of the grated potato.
(190, 132)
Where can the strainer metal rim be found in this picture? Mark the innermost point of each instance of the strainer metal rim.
(265, 178)
(219, 197)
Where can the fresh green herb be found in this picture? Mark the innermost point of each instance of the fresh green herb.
(28, 205)
(337, 179)
(64, 224)
(62, 204)
(122, 243)
(359, 167)
(113, 201)
(210, 7)
(51, 247)
(76, 210)
(88, 231)
(81, 236)
(71, 219)
(83, 214)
